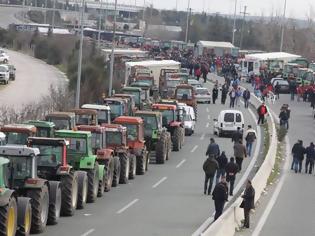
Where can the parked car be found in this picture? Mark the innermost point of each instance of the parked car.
(228, 121)
(12, 70)
(189, 117)
(4, 58)
(195, 83)
(284, 86)
(4, 74)
(203, 95)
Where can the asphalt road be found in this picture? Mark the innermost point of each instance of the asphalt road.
(33, 80)
(167, 200)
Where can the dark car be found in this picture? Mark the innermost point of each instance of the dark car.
(12, 70)
(284, 86)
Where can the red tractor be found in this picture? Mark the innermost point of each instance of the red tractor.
(185, 93)
(172, 120)
(136, 142)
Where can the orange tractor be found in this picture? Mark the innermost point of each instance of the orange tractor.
(185, 93)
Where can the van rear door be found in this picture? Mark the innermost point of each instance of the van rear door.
(228, 120)
(239, 122)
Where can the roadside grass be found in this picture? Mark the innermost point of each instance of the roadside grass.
(62, 68)
(266, 139)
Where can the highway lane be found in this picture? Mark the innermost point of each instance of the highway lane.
(168, 200)
(33, 80)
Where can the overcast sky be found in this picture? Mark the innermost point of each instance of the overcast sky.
(295, 8)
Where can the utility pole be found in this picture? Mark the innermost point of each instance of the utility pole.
(282, 25)
(187, 23)
(77, 95)
(112, 56)
(244, 15)
(234, 23)
(53, 15)
(45, 16)
(143, 12)
(100, 25)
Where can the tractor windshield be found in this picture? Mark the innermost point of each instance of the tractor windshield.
(43, 132)
(116, 110)
(102, 116)
(150, 122)
(77, 145)
(113, 138)
(20, 168)
(183, 93)
(83, 119)
(96, 141)
(172, 83)
(49, 155)
(60, 123)
(16, 138)
(132, 132)
(167, 117)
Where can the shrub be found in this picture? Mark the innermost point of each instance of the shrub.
(41, 49)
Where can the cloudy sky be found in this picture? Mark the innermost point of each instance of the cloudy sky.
(295, 8)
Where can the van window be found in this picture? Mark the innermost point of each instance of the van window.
(229, 117)
(238, 117)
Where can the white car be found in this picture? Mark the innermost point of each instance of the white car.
(4, 58)
(4, 74)
(189, 118)
(203, 95)
(2, 139)
(228, 121)
(195, 83)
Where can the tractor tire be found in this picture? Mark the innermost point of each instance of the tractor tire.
(196, 111)
(117, 170)
(82, 189)
(177, 139)
(161, 150)
(101, 185)
(133, 166)
(69, 193)
(40, 208)
(24, 218)
(93, 180)
(8, 218)
(142, 163)
(109, 172)
(169, 145)
(54, 202)
(124, 165)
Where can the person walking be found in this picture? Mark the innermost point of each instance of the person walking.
(248, 202)
(250, 137)
(246, 97)
(292, 88)
(284, 118)
(210, 166)
(298, 152)
(239, 153)
(277, 90)
(222, 161)
(215, 93)
(225, 90)
(220, 196)
(213, 149)
(231, 170)
(232, 95)
(262, 111)
(238, 135)
(238, 95)
(310, 158)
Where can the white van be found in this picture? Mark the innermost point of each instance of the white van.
(228, 121)
(189, 118)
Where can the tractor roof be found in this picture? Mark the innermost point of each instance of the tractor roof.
(2, 135)
(113, 99)
(72, 134)
(96, 107)
(131, 89)
(114, 127)
(148, 113)
(84, 111)
(159, 106)
(140, 85)
(91, 128)
(18, 128)
(186, 86)
(128, 120)
(47, 141)
(3, 161)
(61, 115)
(41, 123)
(18, 150)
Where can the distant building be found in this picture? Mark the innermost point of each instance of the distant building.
(217, 48)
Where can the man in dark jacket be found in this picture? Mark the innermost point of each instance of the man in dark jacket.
(284, 118)
(222, 161)
(248, 202)
(215, 93)
(310, 158)
(246, 96)
(239, 153)
(231, 170)
(220, 196)
(237, 136)
(210, 166)
(262, 111)
(213, 149)
(298, 152)
(250, 137)
(225, 91)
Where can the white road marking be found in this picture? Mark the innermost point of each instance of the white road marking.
(88, 232)
(208, 117)
(127, 206)
(87, 214)
(194, 148)
(207, 125)
(207, 109)
(159, 182)
(202, 137)
(180, 164)
(276, 193)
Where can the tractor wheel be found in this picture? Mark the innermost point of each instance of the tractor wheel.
(183, 137)
(168, 145)
(161, 150)
(177, 138)
(24, 218)
(40, 208)
(54, 202)
(93, 180)
(133, 166)
(82, 189)
(8, 218)
(196, 111)
(124, 165)
(117, 170)
(109, 172)
(142, 163)
(69, 193)
(101, 185)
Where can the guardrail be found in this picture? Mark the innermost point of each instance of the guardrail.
(232, 217)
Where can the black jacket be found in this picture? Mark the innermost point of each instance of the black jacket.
(310, 153)
(210, 166)
(231, 170)
(220, 192)
(249, 198)
(237, 136)
(213, 149)
(283, 116)
(222, 161)
(246, 95)
(298, 151)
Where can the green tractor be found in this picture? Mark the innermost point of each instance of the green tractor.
(80, 157)
(52, 165)
(15, 212)
(62, 120)
(141, 95)
(157, 138)
(43, 128)
(22, 177)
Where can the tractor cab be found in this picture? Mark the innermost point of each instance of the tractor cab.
(145, 92)
(116, 136)
(170, 113)
(164, 73)
(85, 116)
(103, 112)
(169, 87)
(131, 102)
(152, 123)
(18, 133)
(118, 107)
(62, 120)
(184, 92)
(138, 94)
(43, 128)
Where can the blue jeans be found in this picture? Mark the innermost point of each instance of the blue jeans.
(220, 173)
(292, 96)
(296, 164)
(249, 147)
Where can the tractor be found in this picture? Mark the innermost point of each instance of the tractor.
(156, 137)
(105, 156)
(118, 106)
(18, 133)
(85, 116)
(15, 212)
(80, 157)
(141, 96)
(22, 177)
(103, 112)
(172, 120)
(185, 93)
(136, 143)
(52, 165)
(43, 128)
(62, 120)
(131, 102)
